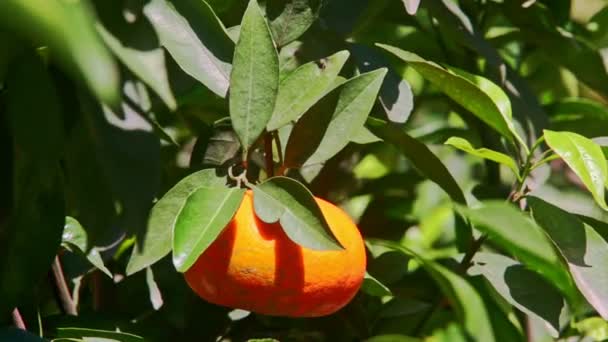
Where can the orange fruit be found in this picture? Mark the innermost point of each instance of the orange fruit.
(254, 266)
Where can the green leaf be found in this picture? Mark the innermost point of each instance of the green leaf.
(585, 251)
(147, 65)
(98, 333)
(374, 287)
(254, 80)
(396, 95)
(319, 135)
(202, 218)
(364, 136)
(520, 287)
(567, 49)
(579, 115)
(81, 50)
(75, 236)
(158, 237)
(452, 333)
(469, 305)
(594, 327)
(17, 335)
(510, 229)
(195, 38)
(423, 159)
(478, 95)
(303, 87)
(485, 153)
(287, 201)
(289, 19)
(585, 158)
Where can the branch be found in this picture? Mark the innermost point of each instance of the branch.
(62, 288)
(18, 319)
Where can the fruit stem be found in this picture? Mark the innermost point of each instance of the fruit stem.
(240, 179)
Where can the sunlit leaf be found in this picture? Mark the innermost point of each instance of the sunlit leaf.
(585, 158)
(195, 38)
(480, 96)
(204, 215)
(303, 87)
(485, 153)
(287, 201)
(254, 80)
(158, 237)
(329, 125)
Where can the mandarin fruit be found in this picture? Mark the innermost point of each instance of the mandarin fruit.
(254, 266)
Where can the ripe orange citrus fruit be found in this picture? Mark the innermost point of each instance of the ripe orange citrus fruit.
(254, 266)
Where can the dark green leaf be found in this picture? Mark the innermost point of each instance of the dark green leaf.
(195, 38)
(319, 135)
(393, 338)
(373, 287)
(200, 221)
(157, 240)
(53, 23)
(130, 177)
(480, 96)
(11, 334)
(420, 155)
(102, 335)
(75, 236)
(468, 303)
(28, 79)
(30, 237)
(564, 49)
(485, 153)
(585, 158)
(395, 95)
(303, 87)
(291, 18)
(512, 230)
(583, 248)
(583, 116)
(522, 288)
(287, 201)
(254, 80)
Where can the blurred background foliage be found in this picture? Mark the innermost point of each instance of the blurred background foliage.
(106, 104)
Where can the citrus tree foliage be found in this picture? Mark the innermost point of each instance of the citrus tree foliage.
(468, 140)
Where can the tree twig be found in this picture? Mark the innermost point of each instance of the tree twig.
(18, 319)
(62, 288)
